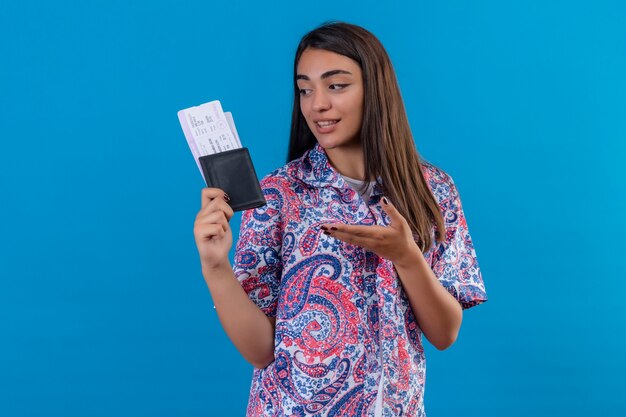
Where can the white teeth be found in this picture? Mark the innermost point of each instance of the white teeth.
(326, 123)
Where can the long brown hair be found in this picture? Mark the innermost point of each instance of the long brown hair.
(388, 147)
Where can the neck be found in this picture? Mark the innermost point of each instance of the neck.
(348, 161)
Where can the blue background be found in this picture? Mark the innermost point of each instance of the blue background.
(104, 311)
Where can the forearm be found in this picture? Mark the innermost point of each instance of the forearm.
(250, 330)
(437, 312)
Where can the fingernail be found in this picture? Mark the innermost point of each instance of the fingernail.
(226, 198)
(323, 227)
(333, 228)
(385, 201)
(326, 232)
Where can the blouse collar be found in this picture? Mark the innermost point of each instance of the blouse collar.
(315, 169)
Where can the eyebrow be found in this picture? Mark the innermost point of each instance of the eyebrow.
(324, 75)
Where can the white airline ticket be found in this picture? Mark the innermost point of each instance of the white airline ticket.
(208, 129)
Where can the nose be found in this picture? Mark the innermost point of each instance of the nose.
(320, 101)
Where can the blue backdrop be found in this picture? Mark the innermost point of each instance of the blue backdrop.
(103, 308)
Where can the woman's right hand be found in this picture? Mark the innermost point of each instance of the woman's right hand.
(211, 229)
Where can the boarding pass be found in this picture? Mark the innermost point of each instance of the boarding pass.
(208, 129)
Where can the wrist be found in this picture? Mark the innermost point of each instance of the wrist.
(409, 257)
(215, 270)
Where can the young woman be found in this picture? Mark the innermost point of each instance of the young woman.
(361, 248)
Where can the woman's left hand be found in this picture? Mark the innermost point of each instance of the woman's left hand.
(394, 242)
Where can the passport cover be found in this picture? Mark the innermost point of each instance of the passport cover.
(233, 172)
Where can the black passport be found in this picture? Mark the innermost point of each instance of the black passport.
(233, 172)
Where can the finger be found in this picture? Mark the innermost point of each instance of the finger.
(352, 233)
(218, 204)
(356, 230)
(392, 211)
(209, 194)
(362, 241)
(210, 231)
(216, 217)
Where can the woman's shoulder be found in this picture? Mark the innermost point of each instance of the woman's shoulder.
(439, 181)
(434, 173)
(282, 178)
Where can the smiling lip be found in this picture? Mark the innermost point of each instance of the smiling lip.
(326, 125)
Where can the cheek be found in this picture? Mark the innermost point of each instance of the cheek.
(355, 110)
(304, 110)
(359, 112)
(352, 104)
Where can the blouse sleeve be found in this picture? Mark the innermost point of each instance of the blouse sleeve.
(454, 261)
(257, 262)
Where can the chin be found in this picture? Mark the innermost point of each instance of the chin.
(330, 143)
(327, 144)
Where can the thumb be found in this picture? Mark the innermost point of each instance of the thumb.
(392, 212)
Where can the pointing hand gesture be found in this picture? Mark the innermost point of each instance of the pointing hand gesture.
(394, 242)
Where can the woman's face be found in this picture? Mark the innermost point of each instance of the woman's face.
(331, 97)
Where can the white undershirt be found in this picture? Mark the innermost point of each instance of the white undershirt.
(357, 184)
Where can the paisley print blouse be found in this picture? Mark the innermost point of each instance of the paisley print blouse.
(343, 321)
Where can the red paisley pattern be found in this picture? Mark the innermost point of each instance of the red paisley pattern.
(343, 322)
